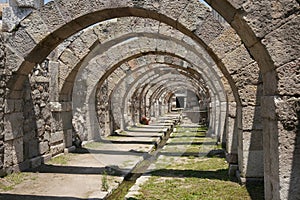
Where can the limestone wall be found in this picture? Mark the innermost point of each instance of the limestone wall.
(2, 100)
(254, 57)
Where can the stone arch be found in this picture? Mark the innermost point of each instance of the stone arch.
(156, 81)
(259, 52)
(97, 62)
(145, 77)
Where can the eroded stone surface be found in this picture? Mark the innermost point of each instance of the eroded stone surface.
(270, 41)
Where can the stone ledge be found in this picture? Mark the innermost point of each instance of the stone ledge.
(69, 149)
(245, 180)
(233, 168)
(35, 162)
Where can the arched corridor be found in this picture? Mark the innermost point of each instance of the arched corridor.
(79, 71)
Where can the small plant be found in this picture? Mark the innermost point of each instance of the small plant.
(105, 186)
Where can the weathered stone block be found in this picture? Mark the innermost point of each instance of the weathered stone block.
(173, 9)
(53, 84)
(13, 125)
(51, 16)
(13, 61)
(283, 44)
(18, 105)
(13, 152)
(225, 43)
(67, 119)
(44, 147)
(35, 162)
(57, 137)
(289, 76)
(69, 138)
(57, 149)
(18, 151)
(9, 106)
(32, 148)
(253, 141)
(46, 158)
(287, 110)
(252, 118)
(79, 48)
(89, 38)
(69, 58)
(22, 42)
(248, 75)
(209, 29)
(35, 26)
(237, 59)
(193, 15)
(71, 10)
(12, 16)
(250, 95)
(253, 164)
(27, 3)
(265, 16)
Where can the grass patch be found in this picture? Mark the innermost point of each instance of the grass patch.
(192, 188)
(204, 178)
(93, 145)
(9, 182)
(60, 160)
(192, 177)
(104, 182)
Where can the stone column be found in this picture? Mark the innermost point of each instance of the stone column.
(212, 117)
(223, 113)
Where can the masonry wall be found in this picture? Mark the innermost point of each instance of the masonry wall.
(2, 105)
(268, 33)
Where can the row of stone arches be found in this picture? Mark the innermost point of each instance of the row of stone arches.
(238, 61)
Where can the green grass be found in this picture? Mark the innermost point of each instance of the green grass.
(194, 178)
(60, 160)
(9, 182)
(200, 179)
(93, 145)
(104, 182)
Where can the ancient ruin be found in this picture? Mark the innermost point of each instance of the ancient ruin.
(75, 71)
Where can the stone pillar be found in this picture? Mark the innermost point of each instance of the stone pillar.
(62, 130)
(54, 82)
(223, 116)
(160, 112)
(234, 127)
(217, 120)
(212, 117)
(250, 148)
(17, 11)
(282, 147)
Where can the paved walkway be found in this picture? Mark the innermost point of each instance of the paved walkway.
(90, 173)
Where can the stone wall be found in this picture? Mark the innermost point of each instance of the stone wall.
(258, 57)
(2, 100)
